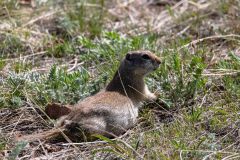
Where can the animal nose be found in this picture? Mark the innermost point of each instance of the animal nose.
(158, 61)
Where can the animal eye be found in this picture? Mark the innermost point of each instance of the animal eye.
(145, 56)
(128, 57)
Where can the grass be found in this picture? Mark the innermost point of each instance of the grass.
(73, 53)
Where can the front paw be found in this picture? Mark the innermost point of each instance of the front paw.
(153, 97)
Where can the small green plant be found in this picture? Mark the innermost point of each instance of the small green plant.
(186, 77)
(118, 148)
(84, 16)
(178, 145)
(21, 66)
(61, 49)
(10, 46)
(16, 151)
(224, 6)
(8, 6)
(194, 115)
(2, 144)
(2, 64)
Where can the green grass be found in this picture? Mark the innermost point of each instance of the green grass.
(10, 46)
(197, 112)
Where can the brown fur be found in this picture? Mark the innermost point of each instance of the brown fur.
(55, 110)
(115, 109)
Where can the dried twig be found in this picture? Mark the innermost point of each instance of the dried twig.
(208, 38)
(40, 17)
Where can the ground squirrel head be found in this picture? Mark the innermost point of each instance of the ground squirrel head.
(129, 79)
(140, 62)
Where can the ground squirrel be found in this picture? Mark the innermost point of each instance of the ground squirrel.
(113, 110)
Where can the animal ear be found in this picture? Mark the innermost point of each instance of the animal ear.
(145, 56)
(128, 56)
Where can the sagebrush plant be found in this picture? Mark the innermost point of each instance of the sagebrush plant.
(16, 151)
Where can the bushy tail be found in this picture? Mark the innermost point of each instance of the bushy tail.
(56, 111)
(42, 136)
